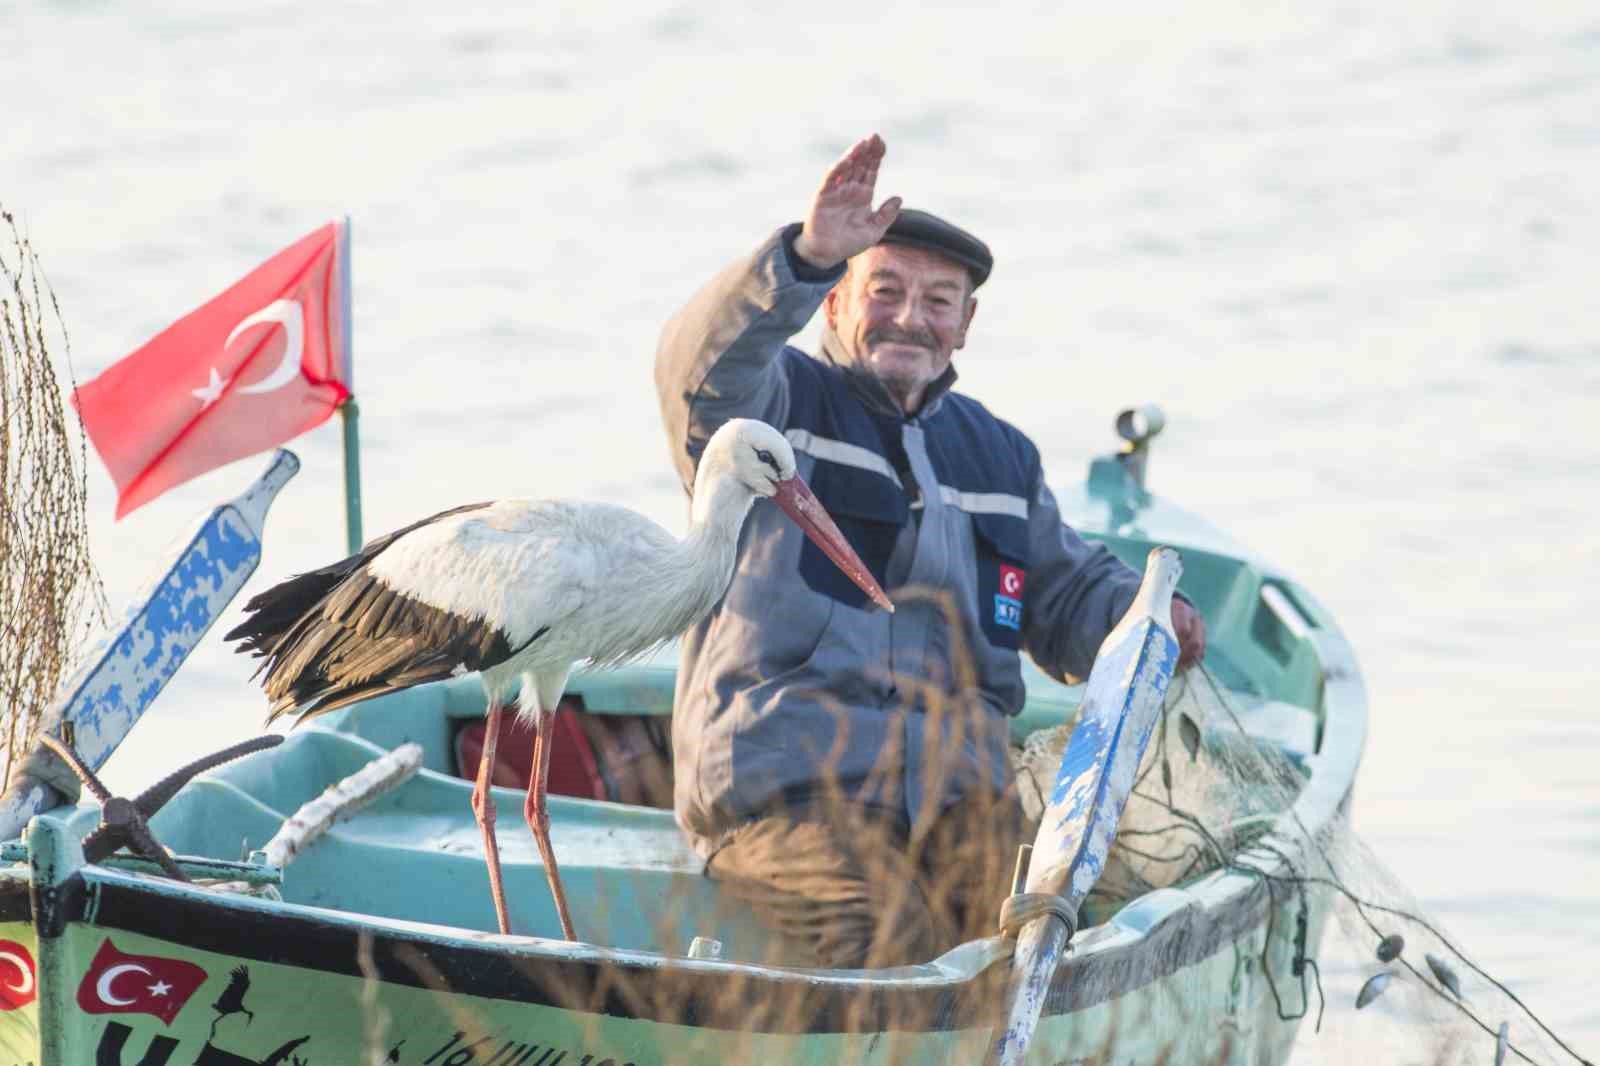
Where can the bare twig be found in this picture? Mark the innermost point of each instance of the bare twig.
(50, 593)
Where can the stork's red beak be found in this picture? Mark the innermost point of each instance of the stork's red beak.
(802, 505)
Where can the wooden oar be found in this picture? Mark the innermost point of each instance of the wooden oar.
(315, 817)
(1121, 705)
(341, 800)
(121, 678)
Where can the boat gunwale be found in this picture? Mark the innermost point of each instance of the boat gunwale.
(591, 979)
(1160, 932)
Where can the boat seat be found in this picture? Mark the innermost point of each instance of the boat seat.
(573, 768)
(623, 758)
(416, 853)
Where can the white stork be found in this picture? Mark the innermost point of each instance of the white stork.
(521, 590)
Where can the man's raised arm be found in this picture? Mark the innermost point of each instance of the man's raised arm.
(718, 358)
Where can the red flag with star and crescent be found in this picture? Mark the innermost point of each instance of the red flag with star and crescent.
(121, 983)
(19, 976)
(260, 364)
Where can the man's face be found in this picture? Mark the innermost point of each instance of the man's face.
(901, 313)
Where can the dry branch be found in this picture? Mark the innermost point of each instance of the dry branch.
(51, 596)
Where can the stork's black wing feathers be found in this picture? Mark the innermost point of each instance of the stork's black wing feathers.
(273, 611)
(336, 635)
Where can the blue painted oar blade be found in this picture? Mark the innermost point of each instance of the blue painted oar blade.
(1121, 706)
(1122, 703)
(122, 676)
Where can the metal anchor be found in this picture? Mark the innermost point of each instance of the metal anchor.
(124, 823)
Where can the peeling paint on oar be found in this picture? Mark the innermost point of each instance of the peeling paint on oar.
(1121, 705)
(121, 678)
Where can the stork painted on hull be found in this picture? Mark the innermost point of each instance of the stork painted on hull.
(521, 590)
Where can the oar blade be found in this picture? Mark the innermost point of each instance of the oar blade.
(121, 677)
(1122, 703)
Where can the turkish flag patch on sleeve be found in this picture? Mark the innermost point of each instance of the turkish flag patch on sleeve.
(119, 983)
(1012, 579)
(1008, 601)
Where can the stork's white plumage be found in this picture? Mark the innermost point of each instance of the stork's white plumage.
(521, 590)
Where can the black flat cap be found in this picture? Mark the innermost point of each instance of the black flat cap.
(919, 229)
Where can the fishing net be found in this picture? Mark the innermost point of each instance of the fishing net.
(1343, 951)
(1349, 950)
(51, 597)
(1216, 797)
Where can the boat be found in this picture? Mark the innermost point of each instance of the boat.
(376, 944)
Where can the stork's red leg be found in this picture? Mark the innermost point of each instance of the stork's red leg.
(483, 809)
(539, 818)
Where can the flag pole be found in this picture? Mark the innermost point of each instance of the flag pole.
(350, 415)
(352, 473)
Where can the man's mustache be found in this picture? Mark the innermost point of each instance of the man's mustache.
(891, 335)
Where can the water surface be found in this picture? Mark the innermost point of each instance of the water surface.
(1349, 247)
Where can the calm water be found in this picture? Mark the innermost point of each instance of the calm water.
(1349, 249)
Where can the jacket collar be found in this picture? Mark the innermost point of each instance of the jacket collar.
(866, 385)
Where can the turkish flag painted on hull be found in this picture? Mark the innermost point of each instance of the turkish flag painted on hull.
(120, 983)
(256, 366)
(20, 986)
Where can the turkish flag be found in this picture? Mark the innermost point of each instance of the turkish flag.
(19, 976)
(1012, 579)
(119, 983)
(258, 365)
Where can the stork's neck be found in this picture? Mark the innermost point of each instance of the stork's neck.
(721, 502)
(705, 556)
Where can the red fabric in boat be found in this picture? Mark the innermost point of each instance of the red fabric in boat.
(573, 768)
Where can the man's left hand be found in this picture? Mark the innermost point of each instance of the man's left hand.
(1191, 632)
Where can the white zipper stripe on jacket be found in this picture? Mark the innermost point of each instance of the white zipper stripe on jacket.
(841, 452)
(985, 502)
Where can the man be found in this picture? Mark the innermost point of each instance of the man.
(845, 770)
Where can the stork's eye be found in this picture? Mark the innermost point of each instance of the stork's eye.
(766, 457)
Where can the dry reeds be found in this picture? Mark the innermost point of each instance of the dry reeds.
(51, 596)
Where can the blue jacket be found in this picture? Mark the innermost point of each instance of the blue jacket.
(795, 685)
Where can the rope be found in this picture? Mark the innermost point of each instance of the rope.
(1302, 881)
(48, 768)
(1020, 908)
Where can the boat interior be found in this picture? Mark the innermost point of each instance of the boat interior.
(415, 854)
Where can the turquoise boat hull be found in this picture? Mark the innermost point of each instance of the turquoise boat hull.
(380, 948)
